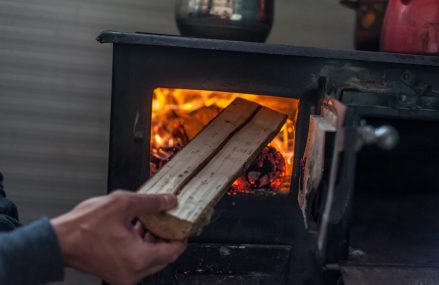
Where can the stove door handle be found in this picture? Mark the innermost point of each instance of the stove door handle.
(385, 137)
(354, 138)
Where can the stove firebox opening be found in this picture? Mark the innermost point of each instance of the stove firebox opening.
(179, 114)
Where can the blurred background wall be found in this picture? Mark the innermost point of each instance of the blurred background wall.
(55, 88)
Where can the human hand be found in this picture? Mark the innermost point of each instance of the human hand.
(98, 237)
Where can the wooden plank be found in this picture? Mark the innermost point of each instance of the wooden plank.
(186, 163)
(198, 197)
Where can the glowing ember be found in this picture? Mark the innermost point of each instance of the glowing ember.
(264, 175)
(179, 114)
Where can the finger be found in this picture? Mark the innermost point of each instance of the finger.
(139, 229)
(130, 205)
(150, 238)
(166, 252)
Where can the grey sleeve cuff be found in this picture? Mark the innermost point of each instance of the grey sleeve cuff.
(31, 255)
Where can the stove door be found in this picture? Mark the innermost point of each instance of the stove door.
(321, 164)
(315, 167)
(334, 138)
(327, 176)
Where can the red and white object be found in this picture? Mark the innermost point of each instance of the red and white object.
(411, 26)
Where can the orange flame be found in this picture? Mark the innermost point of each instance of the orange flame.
(191, 110)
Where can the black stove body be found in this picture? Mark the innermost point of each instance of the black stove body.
(372, 215)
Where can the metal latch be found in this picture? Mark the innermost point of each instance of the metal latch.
(354, 138)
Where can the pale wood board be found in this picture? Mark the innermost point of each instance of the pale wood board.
(227, 165)
(203, 191)
(186, 163)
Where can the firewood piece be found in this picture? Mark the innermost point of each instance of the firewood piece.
(188, 161)
(198, 197)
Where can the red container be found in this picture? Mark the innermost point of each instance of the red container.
(411, 26)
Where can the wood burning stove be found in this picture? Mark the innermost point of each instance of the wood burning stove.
(166, 88)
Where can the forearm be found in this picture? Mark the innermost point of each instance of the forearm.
(31, 255)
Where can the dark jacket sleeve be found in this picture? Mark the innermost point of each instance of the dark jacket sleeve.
(31, 255)
(8, 211)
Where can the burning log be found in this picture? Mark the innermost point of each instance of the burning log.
(203, 170)
(169, 136)
(173, 132)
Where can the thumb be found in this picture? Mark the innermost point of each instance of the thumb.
(143, 204)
